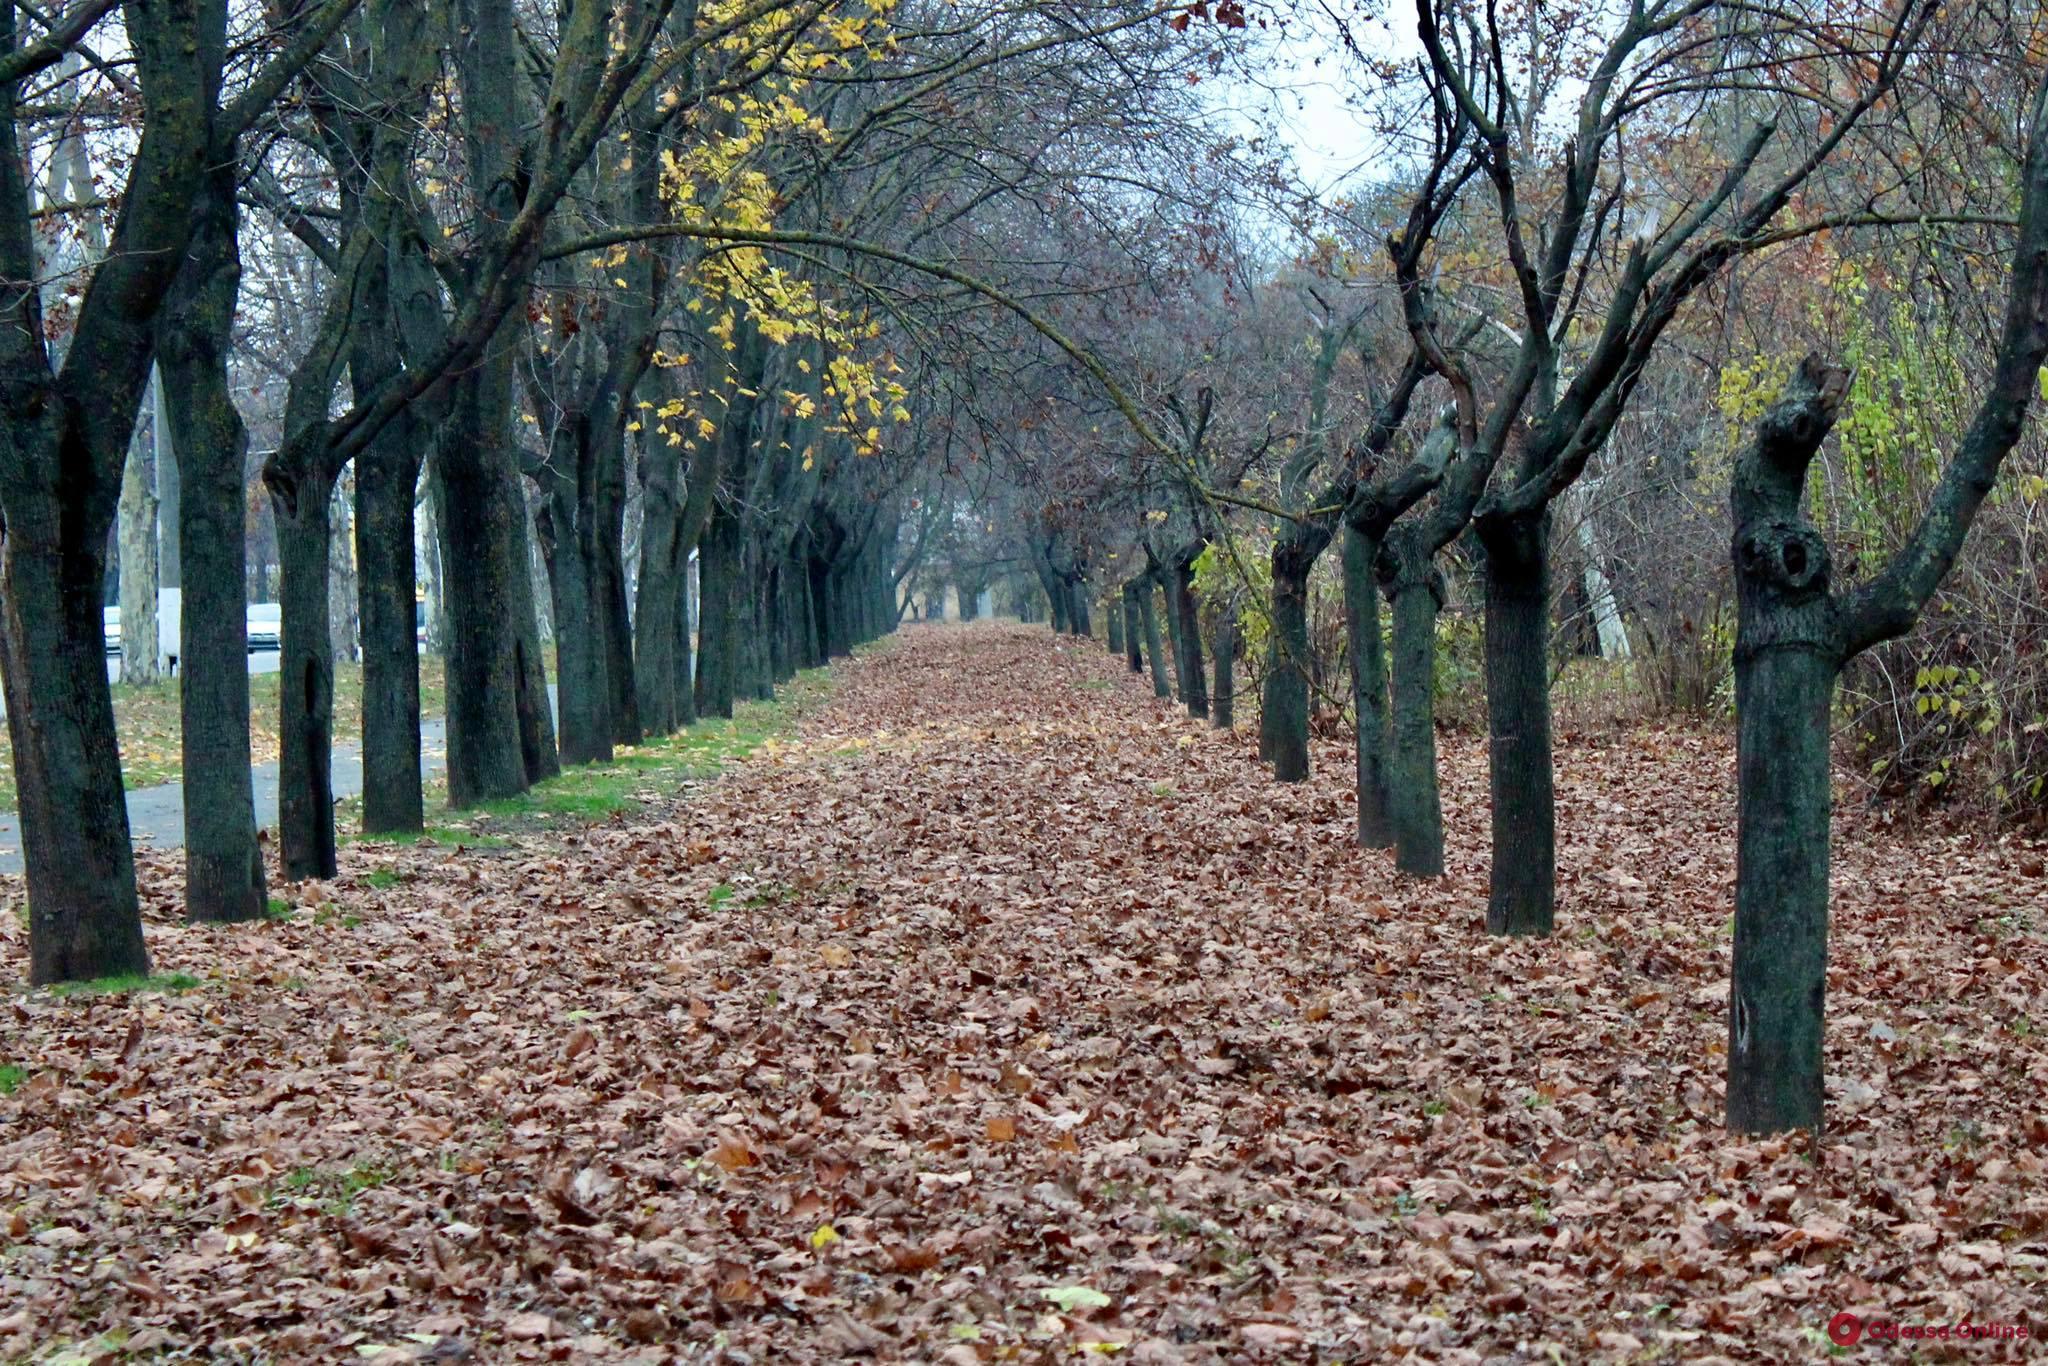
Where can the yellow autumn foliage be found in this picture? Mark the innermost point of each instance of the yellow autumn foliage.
(721, 177)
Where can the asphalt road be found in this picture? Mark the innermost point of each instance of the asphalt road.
(156, 815)
(260, 662)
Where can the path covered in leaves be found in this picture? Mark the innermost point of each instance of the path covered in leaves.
(1005, 1014)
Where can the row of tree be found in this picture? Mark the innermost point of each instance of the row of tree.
(1476, 333)
(547, 264)
(850, 302)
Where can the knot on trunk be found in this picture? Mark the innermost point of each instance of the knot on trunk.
(1398, 575)
(1789, 558)
(1517, 547)
(283, 486)
(1781, 572)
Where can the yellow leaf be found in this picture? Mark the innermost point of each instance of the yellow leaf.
(824, 1237)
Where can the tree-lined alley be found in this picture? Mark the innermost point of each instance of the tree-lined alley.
(992, 1008)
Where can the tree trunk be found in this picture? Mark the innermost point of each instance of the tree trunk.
(750, 601)
(341, 571)
(437, 577)
(1517, 569)
(1182, 591)
(301, 495)
(1148, 617)
(608, 570)
(387, 477)
(1077, 608)
(387, 480)
(803, 620)
(223, 863)
(718, 614)
(67, 431)
(583, 690)
(1113, 617)
(1368, 687)
(1285, 706)
(1776, 1008)
(1222, 699)
(537, 745)
(1176, 652)
(483, 529)
(1061, 603)
(500, 729)
(1414, 805)
(1788, 651)
(341, 576)
(1134, 642)
(662, 691)
(84, 919)
(686, 606)
(137, 538)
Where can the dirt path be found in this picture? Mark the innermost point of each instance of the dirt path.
(1005, 1014)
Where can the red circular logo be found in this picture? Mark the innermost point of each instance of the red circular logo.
(1845, 1329)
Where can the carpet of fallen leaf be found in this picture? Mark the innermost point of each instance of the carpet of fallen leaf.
(1001, 1012)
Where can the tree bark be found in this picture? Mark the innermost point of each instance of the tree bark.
(342, 615)
(1368, 688)
(1414, 805)
(483, 529)
(1222, 697)
(1787, 654)
(615, 635)
(1181, 590)
(718, 614)
(223, 862)
(1077, 607)
(1776, 1007)
(67, 431)
(500, 729)
(301, 486)
(663, 693)
(1060, 602)
(437, 577)
(1134, 636)
(1148, 617)
(387, 476)
(1285, 706)
(84, 919)
(1517, 571)
(395, 291)
(137, 538)
(568, 532)
(1176, 651)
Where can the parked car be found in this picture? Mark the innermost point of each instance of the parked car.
(264, 622)
(266, 626)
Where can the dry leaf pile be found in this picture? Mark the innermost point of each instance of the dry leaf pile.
(1004, 1013)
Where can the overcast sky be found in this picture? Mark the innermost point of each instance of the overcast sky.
(1300, 92)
